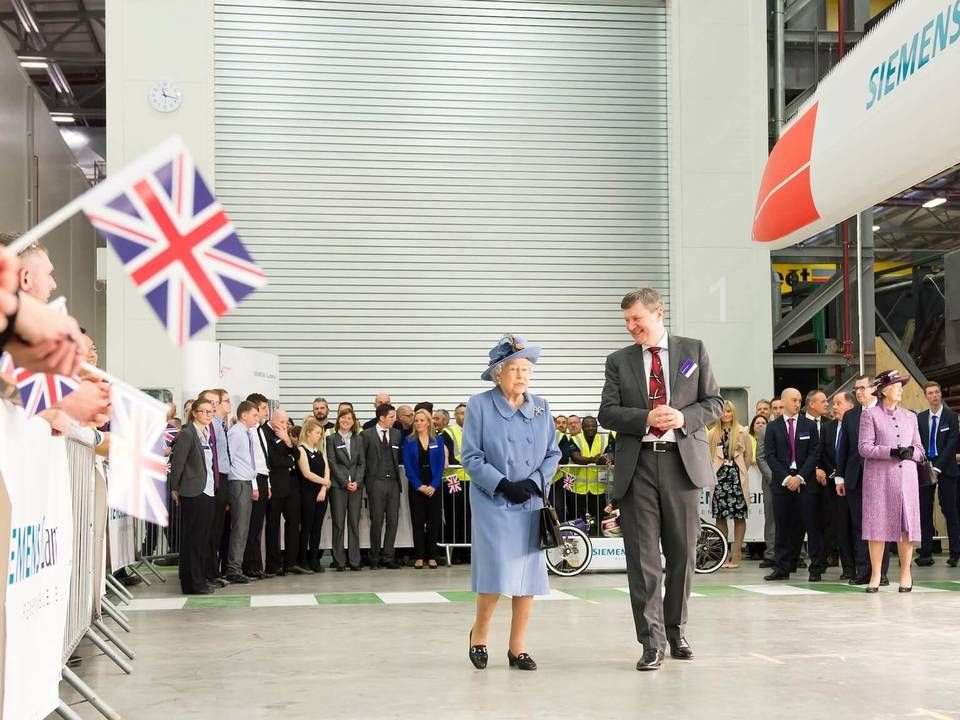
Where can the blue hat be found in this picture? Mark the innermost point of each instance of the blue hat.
(510, 347)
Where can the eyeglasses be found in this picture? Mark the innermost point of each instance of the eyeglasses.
(204, 412)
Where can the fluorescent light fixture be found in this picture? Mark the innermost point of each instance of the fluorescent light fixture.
(876, 228)
(34, 63)
(62, 117)
(935, 202)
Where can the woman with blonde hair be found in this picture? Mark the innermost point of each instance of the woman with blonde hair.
(424, 458)
(732, 456)
(314, 475)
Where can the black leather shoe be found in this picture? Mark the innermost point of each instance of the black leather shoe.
(884, 581)
(953, 560)
(296, 570)
(238, 579)
(846, 576)
(801, 563)
(871, 589)
(521, 661)
(777, 575)
(358, 568)
(681, 650)
(341, 568)
(256, 574)
(392, 565)
(204, 591)
(651, 659)
(858, 580)
(815, 577)
(268, 575)
(478, 653)
(904, 589)
(218, 583)
(766, 563)
(925, 561)
(374, 566)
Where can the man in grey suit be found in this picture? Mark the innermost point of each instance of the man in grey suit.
(659, 395)
(381, 444)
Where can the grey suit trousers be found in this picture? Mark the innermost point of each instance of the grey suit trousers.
(769, 524)
(345, 515)
(660, 506)
(240, 497)
(383, 497)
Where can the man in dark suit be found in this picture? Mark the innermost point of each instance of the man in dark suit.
(282, 457)
(252, 555)
(849, 476)
(838, 533)
(813, 495)
(381, 444)
(940, 434)
(792, 450)
(659, 395)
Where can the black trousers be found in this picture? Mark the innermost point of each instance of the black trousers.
(289, 507)
(312, 514)
(425, 516)
(946, 490)
(861, 554)
(252, 557)
(796, 514)
(196, 515)
(216, 529)
(841, 530)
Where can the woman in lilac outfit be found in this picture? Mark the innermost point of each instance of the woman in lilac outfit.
(891, 448)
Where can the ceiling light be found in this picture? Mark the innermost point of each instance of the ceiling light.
(62, 117)
(34, 63)
(876, 228)
(935, 202)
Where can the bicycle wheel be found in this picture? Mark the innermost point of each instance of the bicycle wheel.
(573, 555)
(711, 549)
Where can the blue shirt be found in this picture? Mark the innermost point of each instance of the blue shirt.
(242, 465)
(223, 454)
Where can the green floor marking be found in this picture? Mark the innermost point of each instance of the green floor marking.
(458, 595)
(829, 587)
(598, 593)
(721, 591)
(938, 585)
(224, 601)
(366, 598)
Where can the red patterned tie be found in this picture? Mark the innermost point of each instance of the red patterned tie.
(658, 389)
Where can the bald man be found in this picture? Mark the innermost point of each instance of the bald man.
(792, 448)
(282, 457)
(381, 398)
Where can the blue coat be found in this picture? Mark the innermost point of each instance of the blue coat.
(499, 442)
(411, 461)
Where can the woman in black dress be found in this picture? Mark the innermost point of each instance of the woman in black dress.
(314, 483)
(732, 457)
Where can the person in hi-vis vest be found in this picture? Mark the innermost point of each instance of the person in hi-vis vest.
(588, 488)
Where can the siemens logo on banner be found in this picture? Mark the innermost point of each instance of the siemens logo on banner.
(32, 548)
(608, 552)
(933, 38)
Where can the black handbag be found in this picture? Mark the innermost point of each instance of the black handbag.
(549, 522)
(927, 476)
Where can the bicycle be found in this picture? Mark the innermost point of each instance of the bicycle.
(575, 551)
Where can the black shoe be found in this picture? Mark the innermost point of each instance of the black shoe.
(871, 589)
(392, 565)
(815, 577)
(218, 583)
(858, 580)
(358, 568)
(341, 568)
(884, 581)
(846, 576)
(521, 661)
(238, 579)
(651, 659)
(766, 563)
(477, 653)
(296, 570)
(252, 579)
(801, 563)
(267, 575)
(213, 588)
(904, 589)
(777, 575)
(681, 650)
(374, 566)
(925, 561)
(953, 560)
(255, 574)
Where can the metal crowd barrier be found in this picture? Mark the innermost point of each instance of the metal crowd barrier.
(156, 545)
(576, 491)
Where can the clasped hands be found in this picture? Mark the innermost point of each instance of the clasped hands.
(427, 490)
(518, 492)
(902, 453)
(665, 417)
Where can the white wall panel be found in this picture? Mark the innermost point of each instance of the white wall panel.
(419, 178)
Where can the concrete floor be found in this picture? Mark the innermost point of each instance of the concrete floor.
(825, 653)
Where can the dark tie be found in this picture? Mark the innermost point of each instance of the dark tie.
(213, 453)
(383, 440)
(658, 389)
(933, 438)
(791, 436)
(223, 424)
(836, 447)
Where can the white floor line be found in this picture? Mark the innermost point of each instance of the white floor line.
(627, 591)
(776, 589)
(297, 600)
(402, 598)
(556, 595)
(165, 603)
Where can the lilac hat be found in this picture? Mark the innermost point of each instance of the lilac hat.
(510, 347)
(889, 377)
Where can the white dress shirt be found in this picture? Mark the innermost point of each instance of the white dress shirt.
(260, 442)
(796, 431)
(669, 435)
(204, 434)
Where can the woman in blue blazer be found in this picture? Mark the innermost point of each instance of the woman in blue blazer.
(424, 459)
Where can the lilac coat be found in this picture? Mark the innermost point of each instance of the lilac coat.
(891, 497)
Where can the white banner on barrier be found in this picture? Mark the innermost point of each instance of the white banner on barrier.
(120, 535)
(754, 507)
(39, 560)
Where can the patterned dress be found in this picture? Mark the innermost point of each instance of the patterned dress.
(728, 500)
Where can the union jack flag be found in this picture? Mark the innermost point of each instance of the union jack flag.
(453, 484)
(37, 390)
(170, 434)
(138, 467)
(568, 481)
(176, 242)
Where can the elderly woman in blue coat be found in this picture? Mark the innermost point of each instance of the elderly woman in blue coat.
(510, 453)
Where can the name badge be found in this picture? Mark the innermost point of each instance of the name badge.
(687, 367)
(945, 429)
(341, 446)
(804, 437)
(433, 447)
(395, 447)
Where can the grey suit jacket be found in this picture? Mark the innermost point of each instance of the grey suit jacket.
(624, 407)
(188, 465)
(765, 472)
(371, 438)
(344, 466)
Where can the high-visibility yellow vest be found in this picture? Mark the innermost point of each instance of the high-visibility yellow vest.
(456, 434)
(588, 478)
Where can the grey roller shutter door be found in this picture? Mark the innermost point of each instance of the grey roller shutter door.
(418, 178)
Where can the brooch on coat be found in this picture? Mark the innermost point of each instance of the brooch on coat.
(538, 409)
